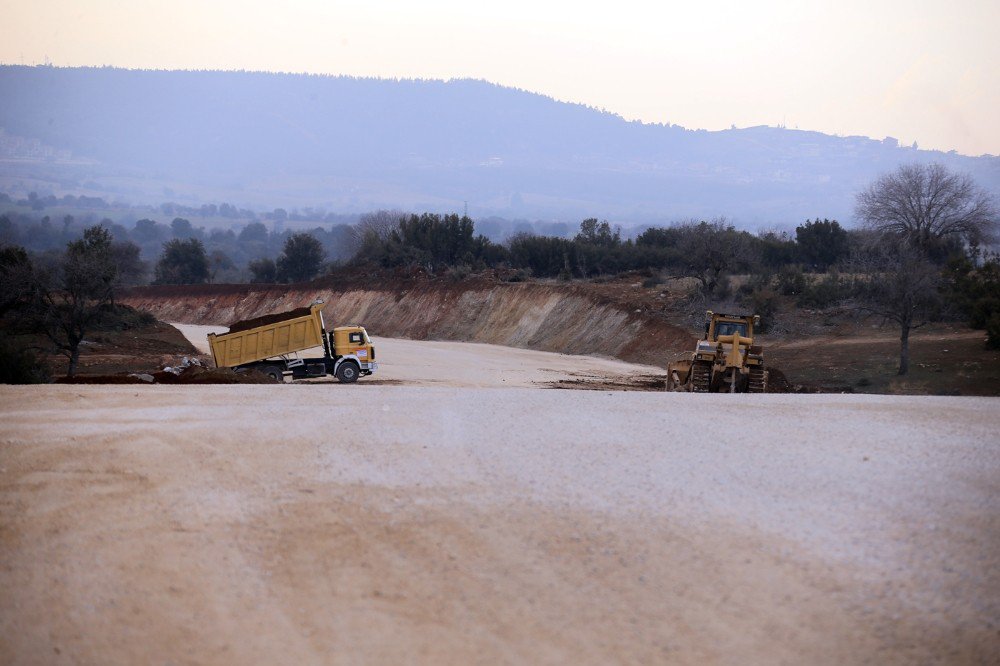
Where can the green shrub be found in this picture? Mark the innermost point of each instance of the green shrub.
(723, 288)
(520, 275)
(755, 282)
(459, 272)
(982, 309)
(825, 293)
(791, 280)
(764, 302)
(974, 292)
(122, 318)
(19, 365)
(993, 331)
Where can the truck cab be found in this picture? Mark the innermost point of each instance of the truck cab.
(353, 342)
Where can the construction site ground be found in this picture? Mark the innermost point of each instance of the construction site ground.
(832, 350)
(450, 510)
(476, 365)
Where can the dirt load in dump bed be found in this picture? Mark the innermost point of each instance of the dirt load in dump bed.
(264, 320)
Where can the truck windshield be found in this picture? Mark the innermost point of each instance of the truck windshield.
(728, 328)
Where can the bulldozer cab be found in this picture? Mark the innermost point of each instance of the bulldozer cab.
(728, 328)
(727, 325)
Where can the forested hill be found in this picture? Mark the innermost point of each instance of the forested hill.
(357, 144)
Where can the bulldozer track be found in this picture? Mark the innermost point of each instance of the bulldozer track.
(758, 380)
(701, 377)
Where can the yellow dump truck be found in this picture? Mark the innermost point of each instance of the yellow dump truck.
(271, 344)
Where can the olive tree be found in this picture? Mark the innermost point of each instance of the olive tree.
(71, 302)
(17, 279)
(821, 243)
(183, 262)
(896, 281)
(263, 270)
(301, 259)
(710, 250)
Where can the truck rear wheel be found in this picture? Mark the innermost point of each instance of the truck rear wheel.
(348, 373)
(274, 372)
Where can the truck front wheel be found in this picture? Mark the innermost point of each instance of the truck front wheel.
(348, 373)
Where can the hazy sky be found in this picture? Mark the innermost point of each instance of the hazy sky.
(919, 71)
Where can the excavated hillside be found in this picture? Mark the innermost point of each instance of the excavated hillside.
(548, 317)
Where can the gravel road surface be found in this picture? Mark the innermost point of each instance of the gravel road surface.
(383, 524)
(466, 364)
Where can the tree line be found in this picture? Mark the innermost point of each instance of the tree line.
(918, 258)
(229, 253)
(181, 253)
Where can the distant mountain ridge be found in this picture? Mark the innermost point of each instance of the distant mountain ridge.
(358, 144)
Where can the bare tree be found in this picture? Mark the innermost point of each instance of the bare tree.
(928, 204)
(373, 228)
(896, 281)
(710, 250)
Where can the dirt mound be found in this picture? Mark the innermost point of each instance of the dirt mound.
(101, 379)
(199, 375)
(612, 383)
(190, 375)
(267, 319)
(777, 382)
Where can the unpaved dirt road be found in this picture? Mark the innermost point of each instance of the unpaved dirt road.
(432, 524)
(470, 365)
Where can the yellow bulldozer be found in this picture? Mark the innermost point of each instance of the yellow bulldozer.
(725, 361)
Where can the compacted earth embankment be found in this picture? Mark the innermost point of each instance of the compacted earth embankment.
(528, 315)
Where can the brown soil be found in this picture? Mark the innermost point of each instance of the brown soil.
(267, 319)
(189, 375)
(199, 375)
(612, 383)
(143, 349)
(101, 379)
(777, 382)
(944, 360)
